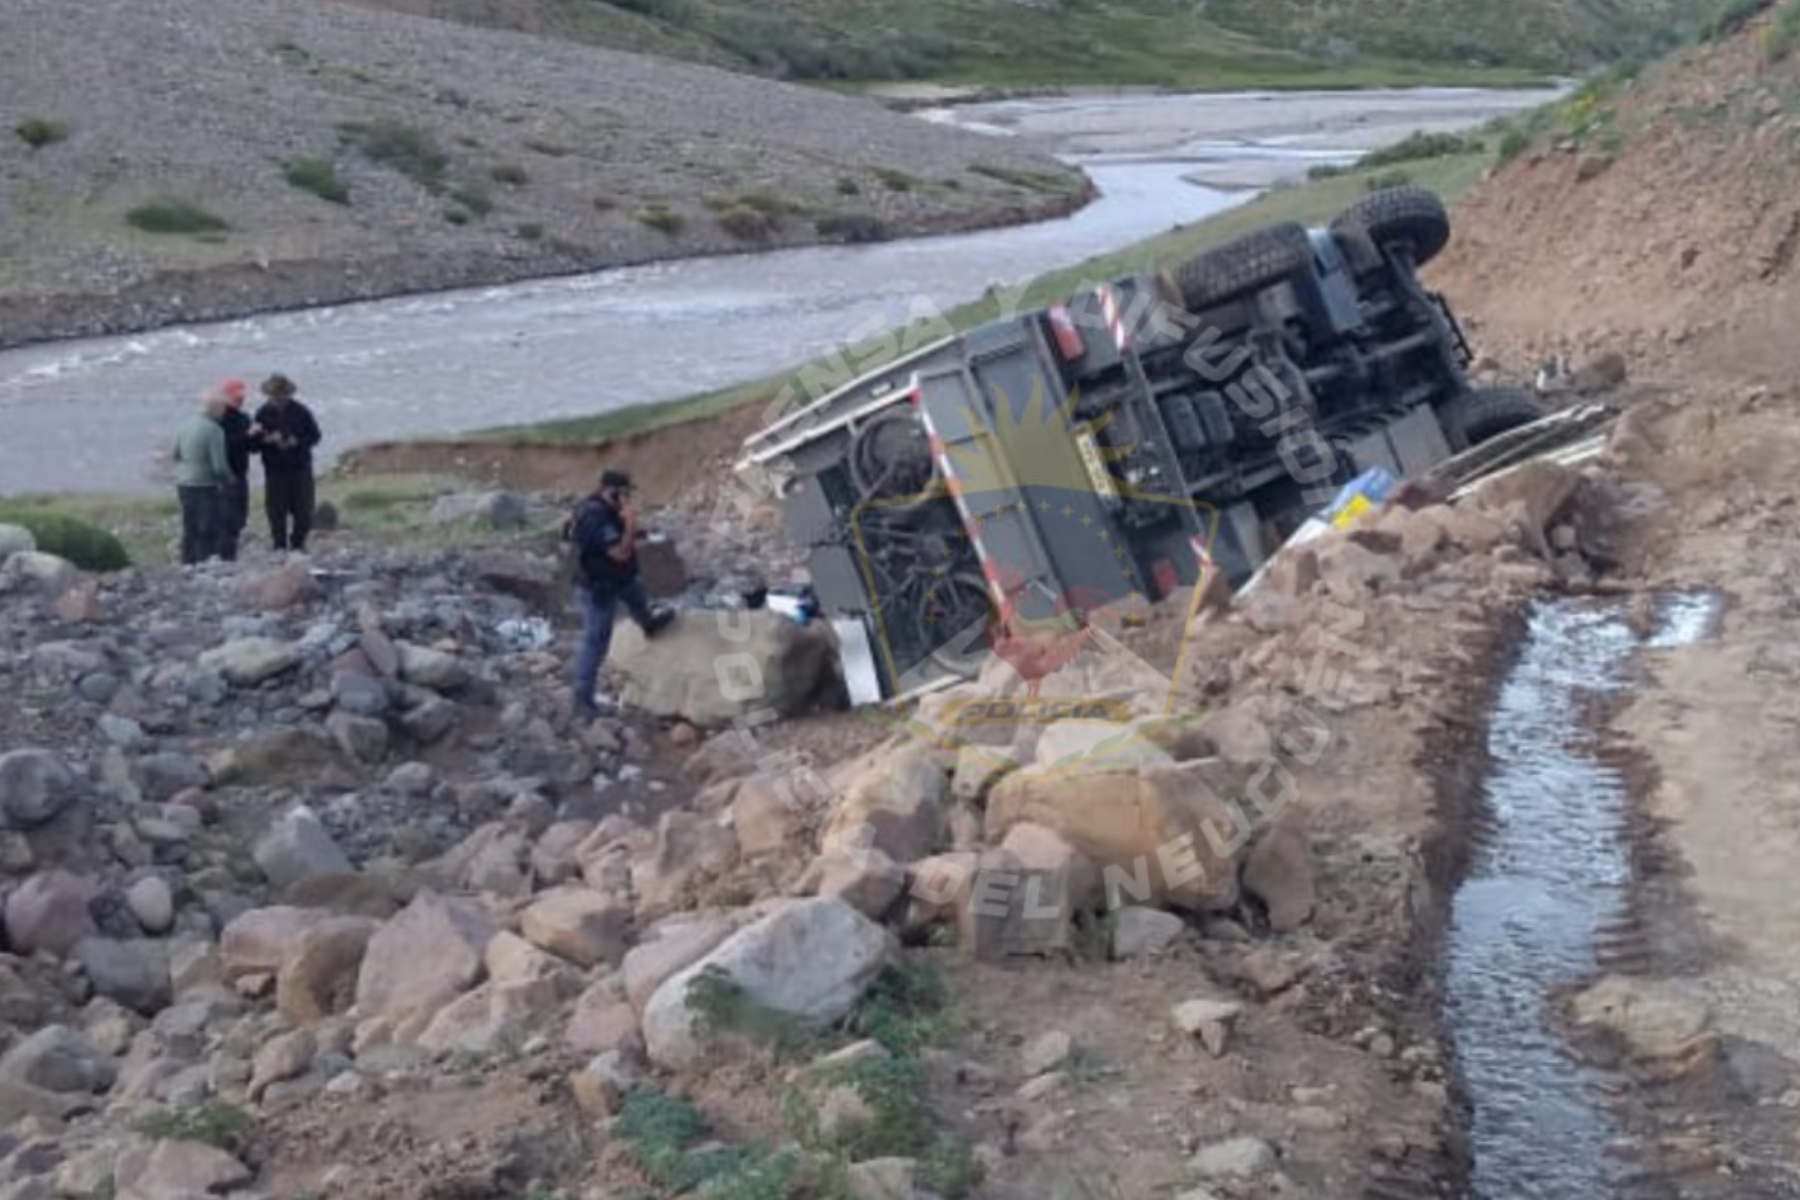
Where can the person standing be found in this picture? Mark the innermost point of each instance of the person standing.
(286, 433)
(235, 510)
(603, 531)
(202, 471)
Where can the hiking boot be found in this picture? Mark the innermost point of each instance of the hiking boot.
(659, 621)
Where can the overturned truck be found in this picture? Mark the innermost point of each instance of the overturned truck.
(1120, 441)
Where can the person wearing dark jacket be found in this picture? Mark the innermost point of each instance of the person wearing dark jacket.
(235, 506)
(603, 530)
(285, 434)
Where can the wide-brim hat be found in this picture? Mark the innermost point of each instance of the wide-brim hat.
(278, 385)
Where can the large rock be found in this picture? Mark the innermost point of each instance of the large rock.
(35, 785)
(15, 539)
(489, 510)
(811, 960)
(1097, 746)
(689, 849)
(580, 925)
(272, 756)
(429, 668)
(49, 912)
(1056, 882)
(58, 1059)
(296, 847)
(532, 578)
(763, 812)
(492, 1014)
(1534, 492)
(1650, 1016)
(258, 941)
(284, 587)
(167, 1170)
(711, 667)
(133, 972)
(895, 804)
(425, 957)
(362, 739)
(1163, 835)
(318, 972)
(246, 662)
(1279, 873)
(675, 946)
(33, 569)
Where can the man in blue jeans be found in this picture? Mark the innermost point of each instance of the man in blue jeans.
(603, 531)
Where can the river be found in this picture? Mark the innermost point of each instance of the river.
(89, 414)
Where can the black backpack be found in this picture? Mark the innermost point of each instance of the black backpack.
(582, 531)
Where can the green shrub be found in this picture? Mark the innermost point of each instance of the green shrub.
(1732, 16)
(531, 231)
(86, 545)
(1514, 143)
(215, 1122)
(895, 181)
(1421, 145)
(405, 148)
(747, 224)
(475, 197)
(174, 216)
(318, 176)
(661, 217)
(1783, 33)
(1388, 179)
(511, 174)
(852, 227)
(847, 186)
(457, 216)
(38, 132)
(605, 203)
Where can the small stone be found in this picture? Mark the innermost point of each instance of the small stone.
(1047, 1052)
(281, 1058)
(1208, 1020)
(1140, 932)
(153, 904)
(1044, 1085)
(1236, 1158)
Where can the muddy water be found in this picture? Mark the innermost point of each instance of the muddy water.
(1553, 868)
(88, 413)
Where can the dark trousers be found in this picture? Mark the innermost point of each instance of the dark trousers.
(235, 512)
(200, 523)
(597, 611)
(288, 499)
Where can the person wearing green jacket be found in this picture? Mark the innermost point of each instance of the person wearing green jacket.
(202, 472)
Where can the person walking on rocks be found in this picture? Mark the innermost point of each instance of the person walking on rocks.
(235, 511)
(286, 432)
(603, 531)
(202, 471)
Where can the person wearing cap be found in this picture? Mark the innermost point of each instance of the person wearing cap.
(286, 433)
(235, 506)
(202, 469)
(603, 531)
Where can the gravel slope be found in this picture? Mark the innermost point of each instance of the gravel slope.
(550, 155)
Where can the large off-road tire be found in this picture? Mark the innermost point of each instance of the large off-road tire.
(1412, 215)
(1249, 264)
(1475, 416)
(891, 462)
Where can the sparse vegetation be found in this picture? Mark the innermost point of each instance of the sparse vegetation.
(1035, 181)
(174, 216)
(318, 176)
(662, 218)
(411, 151)
(1783, 34)
(847, 186)
(530, 231)
(747, 224)
(548, 149)
(473, 196)
(510, 174)
(1413, 148)
(605, 203)
(214, 1122)
(895, 181)
(852, 227)
(38, 132)
(1732, 16)
(81, 542)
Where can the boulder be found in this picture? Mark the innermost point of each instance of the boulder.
(246, 662)
(35, 785)
(49, 912)
(257, 941)
(675, 945)
(167, 1170)
(582, 926)
(297, 847)
(164, 775)
(688, 850)
(58, 1059)
(283, 1057)
(1235, 1158)
(33, 569)
(1140, 932)
(811, 960)
(273, 756)
(359, 693)
(555, 857)
(604, 1020)
(1164, 836)
(532, 578)
(133, 972)
(895, 804)
(491, 1015)
(1535, 492)
(1096, 746)
(512, 959)
(152, 904)
(1651, 1017)
(361, 739)
(765, 817)
(870, 882)
(1056, 882)
(425, 667)
(425, 957)
(1278, 871)
(15, 539)
(487, 510)
(317, 975)
(710, 667)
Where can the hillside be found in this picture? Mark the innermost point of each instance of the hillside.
(1218, 43)
(1653, 216)
(182, 158)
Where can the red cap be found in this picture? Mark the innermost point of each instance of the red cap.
(233, 389)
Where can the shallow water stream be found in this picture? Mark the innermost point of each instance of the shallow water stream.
(1553, 868)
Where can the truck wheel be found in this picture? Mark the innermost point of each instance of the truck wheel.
(891, 460)
(1403, 214)
(1248, 264)
(951, 608)
(1475, 416)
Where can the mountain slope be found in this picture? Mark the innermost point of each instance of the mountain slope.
(291, 151)
(1169, 42)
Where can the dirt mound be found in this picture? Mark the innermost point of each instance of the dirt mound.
(1651, 217)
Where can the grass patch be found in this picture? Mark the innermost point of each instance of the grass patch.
(847, 186)
(1732, 17)
(1032, 181)
(895, 181)
(38, 132)
(473, 196)
(83, 543)
(1415, 147)
(411, 151)
(547, 148)
(662, 218)
(530, 231)
(747, 224)
(605, 204)
(174, 217)
(1783, 33)
(511, 174)
(852, 227)
(669, 1142)
(214, 1122)
(318, 176)
(899, 1123)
